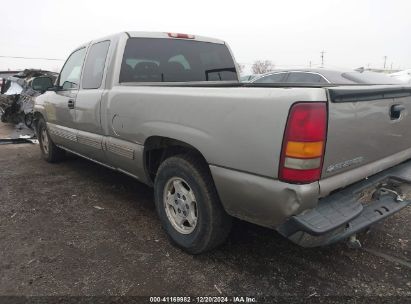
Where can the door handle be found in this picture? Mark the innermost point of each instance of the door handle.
(396, 110)
(70, 104)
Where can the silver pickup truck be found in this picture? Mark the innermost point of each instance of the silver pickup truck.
(318, 163)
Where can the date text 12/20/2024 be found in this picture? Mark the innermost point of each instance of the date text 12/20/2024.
(234, 299)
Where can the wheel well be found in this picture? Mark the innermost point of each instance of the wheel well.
(36, 117)
(157, 149)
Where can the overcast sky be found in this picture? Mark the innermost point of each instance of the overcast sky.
(353, 33)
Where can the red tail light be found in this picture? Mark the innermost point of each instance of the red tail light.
(179, 35)
(303, 144)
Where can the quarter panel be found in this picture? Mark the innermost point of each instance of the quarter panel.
(239, 128)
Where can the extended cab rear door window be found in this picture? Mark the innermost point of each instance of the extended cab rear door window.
(176, 60)
(71, 72)
(94, 67)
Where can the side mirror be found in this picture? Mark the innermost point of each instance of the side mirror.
(68, 85)
(42, 84)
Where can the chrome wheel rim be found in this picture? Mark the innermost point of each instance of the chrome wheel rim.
(180, 205)
(44, 141)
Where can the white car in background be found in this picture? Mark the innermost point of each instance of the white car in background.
(403, 76)
(324, 76)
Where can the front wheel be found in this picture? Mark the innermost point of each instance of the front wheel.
(49, 151)
(188, 205)
(28, 120)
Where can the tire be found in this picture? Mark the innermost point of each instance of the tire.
(205, 225)
(28, 120)
(49, 151)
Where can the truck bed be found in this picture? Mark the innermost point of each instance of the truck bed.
(362, 140)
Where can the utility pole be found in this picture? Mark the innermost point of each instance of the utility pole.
(385, 61)
(310, 63)
(322, 58)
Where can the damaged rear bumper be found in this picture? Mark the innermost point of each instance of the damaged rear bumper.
(352, 209)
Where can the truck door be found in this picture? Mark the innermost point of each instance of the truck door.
(88, 102)
(60, 104)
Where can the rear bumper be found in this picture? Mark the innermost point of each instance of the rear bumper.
(260, 200)
(345, 212)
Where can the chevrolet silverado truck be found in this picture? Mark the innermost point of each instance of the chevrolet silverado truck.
(316, 162)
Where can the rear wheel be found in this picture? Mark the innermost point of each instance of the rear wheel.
(49, 151)
(188, 205)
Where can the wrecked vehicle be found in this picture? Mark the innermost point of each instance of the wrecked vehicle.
(18, 93)
(4, 75)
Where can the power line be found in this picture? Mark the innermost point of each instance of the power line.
(35, 58)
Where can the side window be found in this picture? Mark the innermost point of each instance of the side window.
(94, 67)
(301, 77)
(323, 80)
(273, 78)
(70, 74)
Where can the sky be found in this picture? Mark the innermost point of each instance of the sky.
(292, 33)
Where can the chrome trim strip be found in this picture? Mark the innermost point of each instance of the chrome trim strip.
(92, 141)
(58, 131)
(120, 150)
(89, 141)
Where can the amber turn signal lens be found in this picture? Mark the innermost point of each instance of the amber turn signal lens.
(304, 149)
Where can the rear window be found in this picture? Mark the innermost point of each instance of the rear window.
(370, 78)
(176, 60)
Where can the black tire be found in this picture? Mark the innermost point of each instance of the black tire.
(213, 223)
(49, 151)
(28, 120)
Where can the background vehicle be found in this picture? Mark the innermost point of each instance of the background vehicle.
(324, 76)
(403, 76)
(18, 93)
(169, 110)
(4, 75)
(247, 78)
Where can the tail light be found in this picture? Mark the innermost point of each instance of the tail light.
(303, 144)
(179, 35)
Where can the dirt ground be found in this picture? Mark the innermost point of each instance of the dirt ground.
(76, 228)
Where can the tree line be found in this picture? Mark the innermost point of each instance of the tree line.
(258, 67)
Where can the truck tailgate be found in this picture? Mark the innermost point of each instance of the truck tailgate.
(369, 130)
